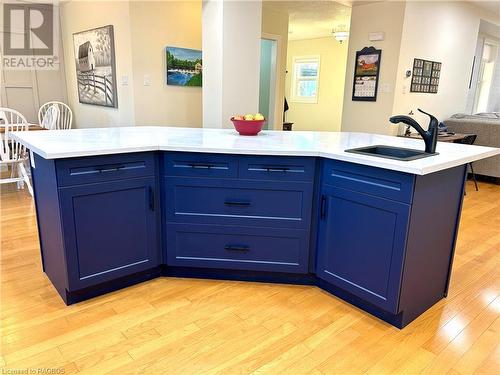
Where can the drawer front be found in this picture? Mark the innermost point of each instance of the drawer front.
(281, 168)
(238, 248)
(85, 170)
(380, 182)
(190, 164)
(237, 202)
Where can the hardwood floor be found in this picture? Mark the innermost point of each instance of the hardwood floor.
(186, 326)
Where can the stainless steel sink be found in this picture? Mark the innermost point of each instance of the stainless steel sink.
(390, 152)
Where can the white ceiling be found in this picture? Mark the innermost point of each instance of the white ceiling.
(312, 19)
(489, 6)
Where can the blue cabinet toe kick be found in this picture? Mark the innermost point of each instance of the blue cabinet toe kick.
(381, 240)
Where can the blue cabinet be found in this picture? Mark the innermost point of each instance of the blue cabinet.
(237, 212)
(238, 202)
(109, 230)
(361, 244)
(241, 248)
(383, 240)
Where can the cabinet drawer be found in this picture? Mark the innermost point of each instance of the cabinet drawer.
(282, 168)
(239, 248)
(92, 169)
(369, 180)
(190, 164)
(238, 202)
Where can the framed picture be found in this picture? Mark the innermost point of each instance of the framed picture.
(95, 66)
(184, 67)
(425, 77)
(366, 74)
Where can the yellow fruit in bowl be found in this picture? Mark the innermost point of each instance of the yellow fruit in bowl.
(248, 117)
(237, 117)
(258, 116)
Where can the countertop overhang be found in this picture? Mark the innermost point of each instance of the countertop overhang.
(57, 144)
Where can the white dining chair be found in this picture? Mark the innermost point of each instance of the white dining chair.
(50, 117)
(65, 118)
(12, 153)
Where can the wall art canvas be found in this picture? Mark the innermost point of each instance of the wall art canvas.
(366, 74)
(95, 66)
(184, 67)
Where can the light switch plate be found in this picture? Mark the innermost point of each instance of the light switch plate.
(125, 80)
(385, 87)
(147, 80)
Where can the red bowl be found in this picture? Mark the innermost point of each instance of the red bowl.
(248, 127)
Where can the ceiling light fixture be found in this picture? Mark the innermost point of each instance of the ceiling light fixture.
(341, 34)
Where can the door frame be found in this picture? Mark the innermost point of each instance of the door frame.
(275, 111)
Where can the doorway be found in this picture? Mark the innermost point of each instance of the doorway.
(267, 81)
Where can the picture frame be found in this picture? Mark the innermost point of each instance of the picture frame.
(425, 78)
(95, 64)
(184, 67)
(366, 74)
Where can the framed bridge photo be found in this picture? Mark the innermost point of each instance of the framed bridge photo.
(366, 74)
(95, 66)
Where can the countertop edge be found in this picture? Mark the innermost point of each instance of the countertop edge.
(342, 156)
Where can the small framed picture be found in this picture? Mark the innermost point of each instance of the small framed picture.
(425, 77)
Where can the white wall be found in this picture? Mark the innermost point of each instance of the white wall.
(78, 16)
(373, 117)
(212, 18)
(439, 31)
(234, 43)
(326, 114)
(142, 30)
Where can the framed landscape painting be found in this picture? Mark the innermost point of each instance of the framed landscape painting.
(184, 67)
(95, 66)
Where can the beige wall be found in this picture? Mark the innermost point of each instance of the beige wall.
(154, 26)
(441, 31)
(372, 117)
(82, 15)
(452, 41)
(276, 24)
(326, 115)
(142, 30)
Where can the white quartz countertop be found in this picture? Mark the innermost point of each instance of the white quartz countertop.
(56, 144)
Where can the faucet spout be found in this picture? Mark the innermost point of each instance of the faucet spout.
(429, 136)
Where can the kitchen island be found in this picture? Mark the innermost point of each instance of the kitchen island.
(117, 206)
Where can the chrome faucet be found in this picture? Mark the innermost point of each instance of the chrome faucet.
(429, 136)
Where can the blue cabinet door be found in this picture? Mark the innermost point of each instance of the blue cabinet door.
(361, 245)
(109, 229)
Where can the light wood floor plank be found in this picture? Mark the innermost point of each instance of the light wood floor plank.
(189, 326)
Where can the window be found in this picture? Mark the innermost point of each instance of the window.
(305, 79)
(487, 77)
